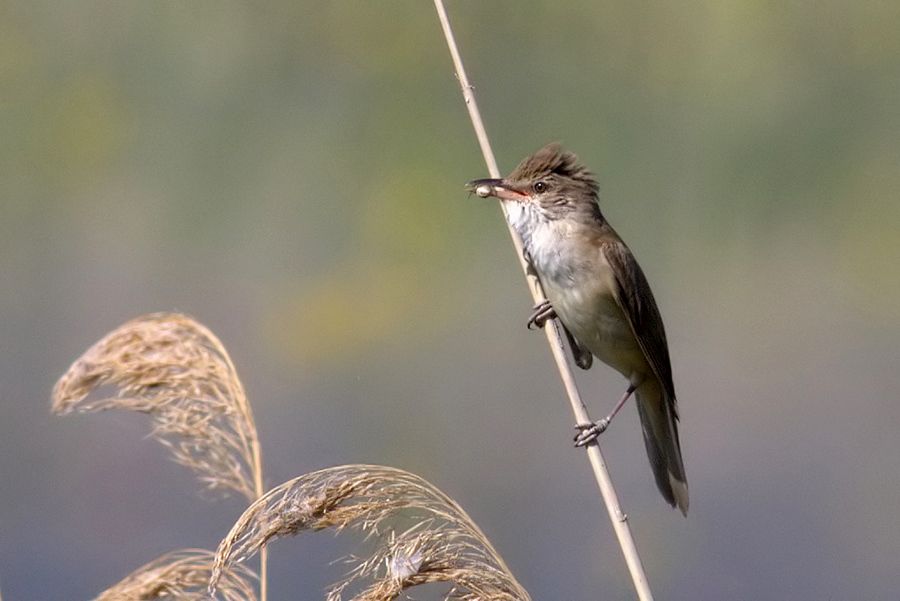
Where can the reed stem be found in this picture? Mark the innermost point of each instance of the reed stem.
(554, 335)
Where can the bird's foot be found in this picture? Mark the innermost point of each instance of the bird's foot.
(588, 433)
(542, 313)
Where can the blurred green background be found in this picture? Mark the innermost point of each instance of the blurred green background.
(290, 173)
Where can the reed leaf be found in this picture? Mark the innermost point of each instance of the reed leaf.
(182, 575)
(174, 369)
(442, 545)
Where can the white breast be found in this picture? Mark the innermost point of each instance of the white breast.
(580, 284)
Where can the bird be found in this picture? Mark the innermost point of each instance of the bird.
(595, 287)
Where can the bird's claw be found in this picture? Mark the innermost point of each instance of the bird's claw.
(588, 433)
(541, 314)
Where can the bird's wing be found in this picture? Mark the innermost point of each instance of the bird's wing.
(636, 301)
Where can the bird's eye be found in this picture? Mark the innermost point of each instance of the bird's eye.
(540, 187)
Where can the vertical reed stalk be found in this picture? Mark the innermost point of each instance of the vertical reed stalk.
(256, 463)
(554, 334)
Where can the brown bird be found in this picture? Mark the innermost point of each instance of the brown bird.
(597, 289)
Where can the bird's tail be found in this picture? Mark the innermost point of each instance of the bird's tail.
(660, 425)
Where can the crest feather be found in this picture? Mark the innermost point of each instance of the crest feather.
(553, 159)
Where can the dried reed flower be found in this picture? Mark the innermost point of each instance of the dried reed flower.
(174, 369)
(180, 575)
(442, 545)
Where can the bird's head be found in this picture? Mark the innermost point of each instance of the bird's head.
(550, 184)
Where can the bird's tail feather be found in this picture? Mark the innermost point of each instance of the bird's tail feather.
(660, 426)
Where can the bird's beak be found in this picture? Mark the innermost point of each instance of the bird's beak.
(497, 188)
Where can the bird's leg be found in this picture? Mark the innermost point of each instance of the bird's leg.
(529, 265)
(588, 433)
(542, 313)
(583, 357)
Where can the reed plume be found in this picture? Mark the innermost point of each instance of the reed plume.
(443, 544)
(174, 369)
(181, 575)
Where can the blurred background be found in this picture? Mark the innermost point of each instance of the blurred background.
(291, 174)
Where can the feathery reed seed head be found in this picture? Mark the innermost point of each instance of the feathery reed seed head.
(174, 369)
(443, 544)
(182, 575)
